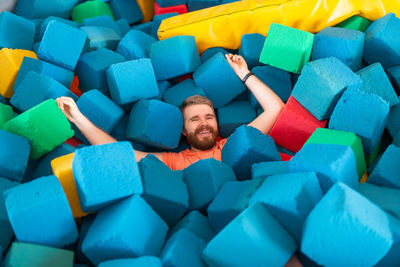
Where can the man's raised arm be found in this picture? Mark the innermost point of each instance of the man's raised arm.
(93, 134)
(269, 101)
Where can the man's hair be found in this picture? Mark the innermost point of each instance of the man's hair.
(195, 100)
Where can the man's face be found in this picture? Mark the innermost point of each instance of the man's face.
(200, 126)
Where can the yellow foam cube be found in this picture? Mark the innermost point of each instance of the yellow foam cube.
(10, 62)
(62, 168)
(147, 7)
(364, 178)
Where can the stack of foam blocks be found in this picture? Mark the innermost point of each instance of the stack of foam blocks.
(64, 202)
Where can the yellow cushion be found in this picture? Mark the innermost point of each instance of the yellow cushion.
(62, 168)
(147, 7)
(10, 61)
(255, 16)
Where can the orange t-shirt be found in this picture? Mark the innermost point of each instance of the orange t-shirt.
(181, 160)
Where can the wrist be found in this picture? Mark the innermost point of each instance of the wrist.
(247, 76)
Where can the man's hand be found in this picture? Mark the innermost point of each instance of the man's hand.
(238, 65)
(69, 108)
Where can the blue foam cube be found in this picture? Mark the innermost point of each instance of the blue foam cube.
(264, 169)
(194, 5)
(138, 74)
(16, 32)
(231, 200)
(323, 79)
(387, 170)
(36, 88)
(381, 41)
(46, 21)
(126, 9)
(99, 185)
(196, 223)
(91, 69)
(253, 238)
(155, 24)
(347, 45)
(393, 123)
(250, 48)
(148, 261)
(210, 52)
(247, 146)
(336, 225)
(135, 44)
(363, 114)
(179, 92)
(145, 27)
(59, 74)
(233, 115)
(164, 189)
(101, 37)
(40, 207)
(203, 179)
(6, 232)
(168, 3)
(174, 56)
(103, 20)
(214, 76)
(144, 126)
(290, 198)
(41, 9)
(123, 26)
(61, 45)
(183, 249)
(136, 231)
(394, 76)
(14, 155)
(332, 163)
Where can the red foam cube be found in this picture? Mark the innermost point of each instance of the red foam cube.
(294, 126)
(181, 9)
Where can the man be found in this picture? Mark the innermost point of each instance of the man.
(199, 121)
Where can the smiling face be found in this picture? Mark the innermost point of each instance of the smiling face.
(200, 126)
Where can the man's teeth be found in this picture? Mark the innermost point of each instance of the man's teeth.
(204, 132)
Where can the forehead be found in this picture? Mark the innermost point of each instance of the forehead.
(197, 110)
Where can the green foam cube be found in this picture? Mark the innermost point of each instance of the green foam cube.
(336, 137)
(355, 23)
(44, 125)
(90, 9)
(6, 113)
(287, 48)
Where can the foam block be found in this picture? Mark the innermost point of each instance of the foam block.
(35, 88)
(145, 27)
(91, 69)
(351, 218)
(208, 53)
(180, 9)
(362, 113)
(90, 9)
(289, 198)
(238, 245)
(394, 76)
(355, 23)
(100, 110)
(332, 163)
(6, 232)
(41, 9)
(183, 249)
(37, 255)
(380, 44)
(10, 62)
(194, 5)
(276, 79)
(135, 44)
(247, 146)
(100, 37)
(167, 3)
(139, 74)
(214, 74)
(374, 77)
(264, 169)
(231, 200)
(123, 26)
(147, 113)
(250, 48)
(174, 57)
(128, 10)
(104, 21)
(46, 21)
(164, 189)
(294, 126)
(6, 113)
(148, 261)
(118, 176)
(196, 223)
(296, 44)
(59, 74)
(137, 231)
(233, 115)
(393, 124)
(62, 44)
(44, 125)
(203, 179)
(326, 136)
(179, 92)
(157, 22)
(386, 172)
(43, 204)
(16, 32)
(324, 79)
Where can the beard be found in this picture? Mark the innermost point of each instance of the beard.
(204, 143)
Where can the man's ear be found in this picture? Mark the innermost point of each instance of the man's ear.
(184, 132)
